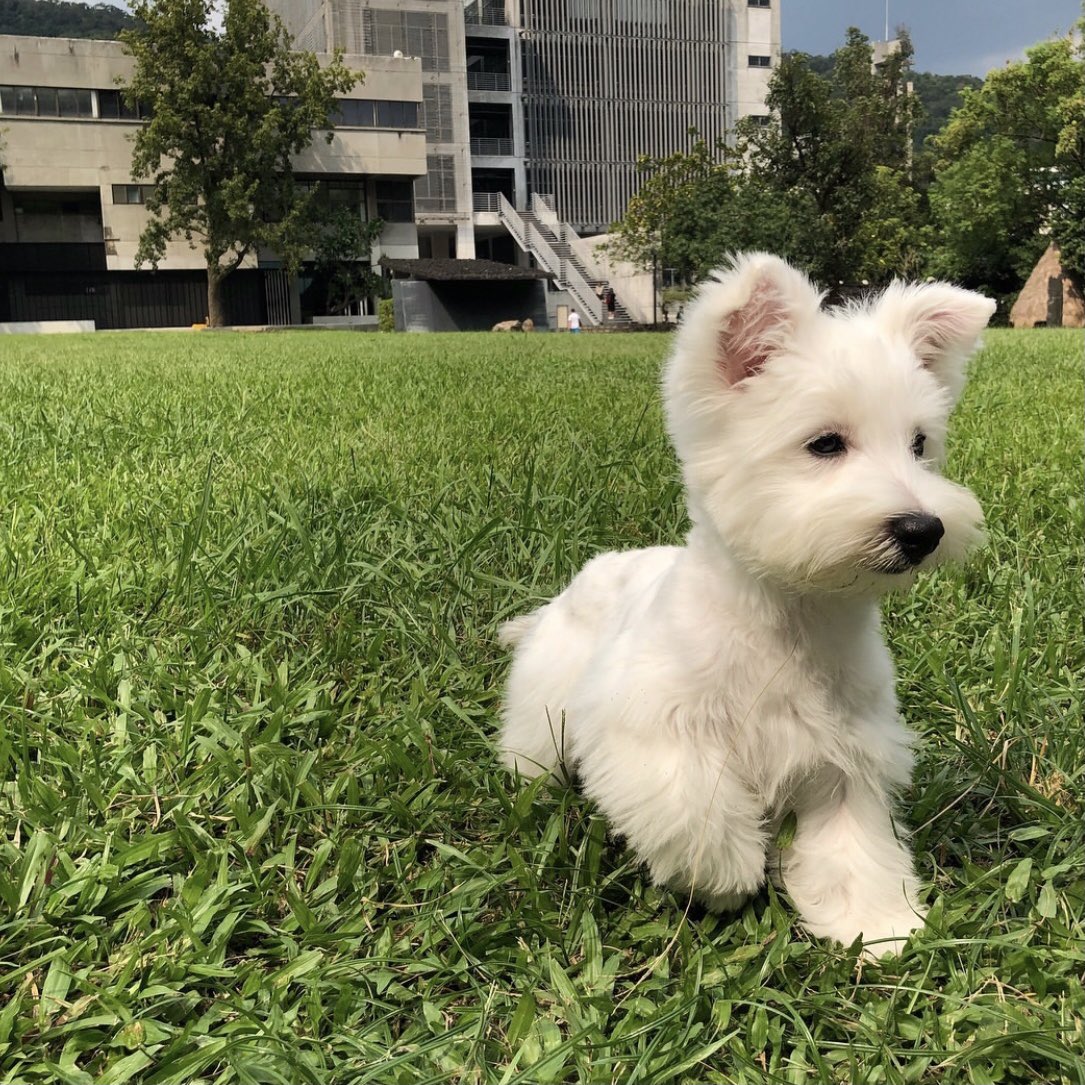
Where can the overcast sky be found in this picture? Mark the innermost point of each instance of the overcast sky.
(951, 37)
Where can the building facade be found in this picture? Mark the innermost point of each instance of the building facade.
(498, 129)
(536, 111)
(71, 212)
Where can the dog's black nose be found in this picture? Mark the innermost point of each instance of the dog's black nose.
(917, 534)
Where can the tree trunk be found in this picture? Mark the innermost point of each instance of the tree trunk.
(216, 314)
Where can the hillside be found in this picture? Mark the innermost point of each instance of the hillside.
(938, 94)
(60, 19)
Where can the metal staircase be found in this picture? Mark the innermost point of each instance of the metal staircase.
(559, 249)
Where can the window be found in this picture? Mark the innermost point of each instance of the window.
(46, 102)
(132, 193)
(112, 107)
(761, 119)
(75, 102)
(397, 114)
(759, 3)
(353, 113)
(395, 201)
(360, 113)
(760, 61)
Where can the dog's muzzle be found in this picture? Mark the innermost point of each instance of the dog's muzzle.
(916, 535)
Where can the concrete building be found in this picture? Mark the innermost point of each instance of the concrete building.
(505, 130)
(536, 111)
(71, 212)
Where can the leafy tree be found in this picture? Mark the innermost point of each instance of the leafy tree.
(803, 186)
(342, 244)
(1010, 170)
(228, 111)
(673, 217)
(59, 19)
(832, 142)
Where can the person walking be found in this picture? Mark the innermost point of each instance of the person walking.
(574, 320)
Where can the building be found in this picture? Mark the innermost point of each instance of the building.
(71, 212)
(536, 111)
(506, 130)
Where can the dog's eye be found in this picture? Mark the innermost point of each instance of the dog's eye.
(918, 444)
(828, 444)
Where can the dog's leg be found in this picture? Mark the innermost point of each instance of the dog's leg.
(681, 809)
(846, 870)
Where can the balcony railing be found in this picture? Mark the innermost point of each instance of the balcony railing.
(486, 201)
(491, 146)
(489, 81)
(485, 14)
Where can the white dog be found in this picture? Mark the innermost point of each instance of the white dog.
(703, 693)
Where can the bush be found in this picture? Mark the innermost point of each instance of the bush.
(386, 315)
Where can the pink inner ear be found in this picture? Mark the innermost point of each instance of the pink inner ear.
(933, 332)
(751, 334)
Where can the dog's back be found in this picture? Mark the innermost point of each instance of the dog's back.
(554, 646)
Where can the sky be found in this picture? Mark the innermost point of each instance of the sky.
(951, 37)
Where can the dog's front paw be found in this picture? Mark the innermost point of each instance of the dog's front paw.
(885, 935)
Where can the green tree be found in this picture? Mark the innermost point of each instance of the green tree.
(1009, 170)
(838, 146)
(342, 245)
(228, 111)
(673, 218)
(60, 19)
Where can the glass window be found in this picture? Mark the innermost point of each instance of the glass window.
(395, 202)
(47, 101)
(760, 61)
(75, 102)
(7, 99)
(396, 115)
(109, 104)
(355, 113)
(25, 103)
(131, 193)
(759, 3)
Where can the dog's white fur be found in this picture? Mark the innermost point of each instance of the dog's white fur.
(703, 692)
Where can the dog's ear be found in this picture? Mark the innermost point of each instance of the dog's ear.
(755, 306)
(941, 324)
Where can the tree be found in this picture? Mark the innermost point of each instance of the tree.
(342, 244)
(837, 144)
(1009, 171)
(60, 19)
(228, 111)
(803, 186)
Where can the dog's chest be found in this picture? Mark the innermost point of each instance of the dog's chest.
(787, 707)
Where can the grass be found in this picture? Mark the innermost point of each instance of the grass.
(253, 829)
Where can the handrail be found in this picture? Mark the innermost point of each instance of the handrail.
(531, 239)
(500, 146)
(489, 81)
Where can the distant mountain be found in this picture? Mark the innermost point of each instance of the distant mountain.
(938, 94)
(60, 19)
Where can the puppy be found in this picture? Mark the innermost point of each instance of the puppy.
(702, 693)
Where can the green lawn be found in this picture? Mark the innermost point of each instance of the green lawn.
(253, 829)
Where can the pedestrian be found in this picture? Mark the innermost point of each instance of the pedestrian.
(574, 321)
(611, 302)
